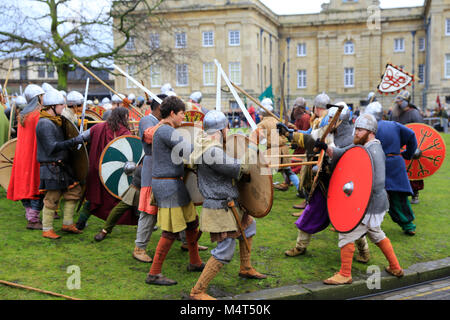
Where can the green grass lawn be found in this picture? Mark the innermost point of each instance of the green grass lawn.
(108, 270)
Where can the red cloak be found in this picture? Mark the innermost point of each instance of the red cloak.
(101, 201)
(25, 176)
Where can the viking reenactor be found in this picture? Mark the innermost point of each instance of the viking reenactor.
(116, 101)
(24, 181)
(20, 103)
(405, 112)
(276, 145)
(74, 106)
(393, 136)
(365, 131)
(56, 176)
(147, 211)
(130, 201)
(99, 201)
(4, 121)
(176, 211)
(217, 176)
(194, 103)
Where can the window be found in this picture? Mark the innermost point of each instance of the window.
(41, 71)
(180, 40)
(301, 79)
(208, 74)
(421, 44)
(50, 71)
(23, 70)
(399, 45)
(349, 77)
(155, 76)
(235, 72)
(154, 41)
(349, 47)
(182, 75)
(301, 49)
(447, 65)
(131, 70)
(130, 44)
(208, 39)
(234, 38)
(447, 27)
(421, 73)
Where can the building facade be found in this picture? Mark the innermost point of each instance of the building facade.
(343, 50)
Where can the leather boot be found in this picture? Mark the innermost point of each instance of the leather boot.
(363, 255)
(71, 229)
(50, 234)
(100, 236)
(34, 225)
(140, 255)
(212, 268)
(303, 239)
(281, 186)
(246, 270)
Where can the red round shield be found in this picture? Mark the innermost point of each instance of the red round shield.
(432, 148)
(350, 189)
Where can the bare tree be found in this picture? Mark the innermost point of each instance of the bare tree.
(93, 32)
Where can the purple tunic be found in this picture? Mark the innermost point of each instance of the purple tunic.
(315, 216)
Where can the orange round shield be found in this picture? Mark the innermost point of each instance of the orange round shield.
(432, 148)
(350, 189)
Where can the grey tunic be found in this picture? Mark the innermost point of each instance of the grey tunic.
(217, 174)
(379, 201)
(410, 116)
(169, 149)
(145, 123)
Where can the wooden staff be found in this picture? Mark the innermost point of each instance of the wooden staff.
(304, 163)
(285, 155)
(101, 121)
(254, 100)
(12, 284)
(7, 78)
(108, 87)
(12, 116)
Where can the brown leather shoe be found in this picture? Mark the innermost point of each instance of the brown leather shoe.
(71, 229)
(295, 252)
(338, 279)
(140, 255)
(395, 272)
(34, 225)
(184, 247)
(100, 236)
(194, 268)
(363, 256)
(251, 273)
(300, 206)
(281, 186)
(159, 280)
(50, 234)
(297, 214)
(201, 296)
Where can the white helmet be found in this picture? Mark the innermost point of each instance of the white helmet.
(20, 102)
(321, 101)
(170, 93)
(368, 122)
(31, 91)
(47, 87)
(268, 104)
(196, 96)
(131, 97)
(117, 98)
(345, 113)
(74, 98)
(107, 106)
(105, 100)
(166, 87)
(375, 109)
(214, 121)
(53, 98)
(63, 93)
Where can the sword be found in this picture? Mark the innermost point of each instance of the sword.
(238, 221)
(83, 114)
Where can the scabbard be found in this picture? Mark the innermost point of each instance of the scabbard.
(238, 221)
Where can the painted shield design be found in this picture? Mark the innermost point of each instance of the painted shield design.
(193, 116)
(432, 152)
(99, 110)
(7, 151)
(118, 161)
(256, 196)
(79, 159)
(350, 189)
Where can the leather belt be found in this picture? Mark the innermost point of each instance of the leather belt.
(393, 154)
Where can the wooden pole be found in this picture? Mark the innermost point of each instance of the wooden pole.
(304, 163)
(7, 76)
(12, 284)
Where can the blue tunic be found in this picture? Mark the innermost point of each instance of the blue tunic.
(393, 137)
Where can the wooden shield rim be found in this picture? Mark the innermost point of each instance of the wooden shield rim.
(370, 196)
(410, 126)
(269, 208)
(101, 161)
(8, 143)
(94, 114)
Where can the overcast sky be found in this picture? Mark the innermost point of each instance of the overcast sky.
(314, 6)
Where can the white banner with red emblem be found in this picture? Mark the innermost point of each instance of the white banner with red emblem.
(394, 80)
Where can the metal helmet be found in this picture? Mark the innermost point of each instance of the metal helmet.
(31, 91)
(132, 96)
(300, 102)
(63, 93)
(321, 101)
(170, 93)
(21, 102)
(370, 95)
(166, 87)
(105, 100)
(214, 121)
(196, 96)
(368, 122)
(404, 95)
(268, 104)
(74, 98)
(375, 109)
(345, 113)
(47, 87)
(117, 98)
(53, 98)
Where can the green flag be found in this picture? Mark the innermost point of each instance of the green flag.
(267, 93)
